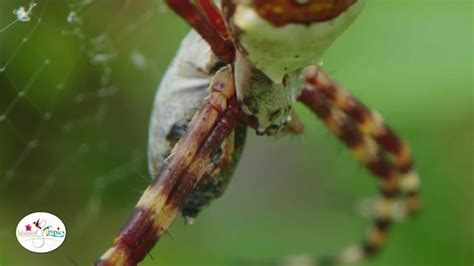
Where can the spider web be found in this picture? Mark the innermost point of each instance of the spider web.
(77, 79)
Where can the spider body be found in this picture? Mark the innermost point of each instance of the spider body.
(251, 60)
(266, 31)
(269, 62)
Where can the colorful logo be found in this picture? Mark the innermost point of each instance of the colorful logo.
(41, 232)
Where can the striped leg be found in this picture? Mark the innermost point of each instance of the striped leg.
(366, 150)
(371, 150)
(206, 19)
(372, 124)
(187, 163)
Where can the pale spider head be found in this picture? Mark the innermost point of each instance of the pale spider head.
(275, 40)
(281, 36)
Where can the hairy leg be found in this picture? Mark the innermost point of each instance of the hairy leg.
(370, 147)
(368, 153)
(208, 22)
(371, 123)
(187, 162)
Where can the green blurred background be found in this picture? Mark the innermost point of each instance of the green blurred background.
(76, 98)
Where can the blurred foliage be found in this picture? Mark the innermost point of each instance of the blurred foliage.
(74, 142)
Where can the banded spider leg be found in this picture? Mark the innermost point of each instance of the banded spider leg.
(186, 164)
(372, 126)
(370, 140)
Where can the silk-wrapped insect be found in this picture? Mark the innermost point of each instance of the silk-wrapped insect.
(245, 64)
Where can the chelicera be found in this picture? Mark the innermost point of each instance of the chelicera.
(244, 64)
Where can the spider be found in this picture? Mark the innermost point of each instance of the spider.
(244, 64)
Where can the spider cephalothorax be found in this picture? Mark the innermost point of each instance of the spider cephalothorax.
(253, 62)
(264, 33)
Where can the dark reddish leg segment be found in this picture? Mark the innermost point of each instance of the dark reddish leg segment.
(187, 163)
(214, 17)
(210, 27)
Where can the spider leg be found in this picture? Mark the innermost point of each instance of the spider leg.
(214, 17)
(227, 150)
(368, 153)
(188, 161)
(218, 175)
(199, 197)
(294, 125)
(371, 123)
(370, 147)
(206, 19)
